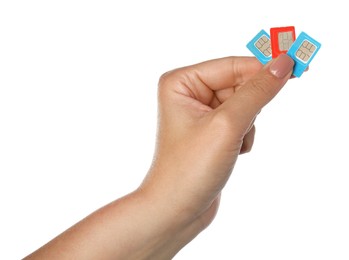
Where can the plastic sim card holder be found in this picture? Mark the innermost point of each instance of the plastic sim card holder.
(260, 47)
(302, 52)
(281, 39)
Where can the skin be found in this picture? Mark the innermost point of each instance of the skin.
(206, 119)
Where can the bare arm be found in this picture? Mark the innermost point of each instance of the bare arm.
(206, 119)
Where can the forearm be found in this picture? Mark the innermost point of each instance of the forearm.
(137, 226)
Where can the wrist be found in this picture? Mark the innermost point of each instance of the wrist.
(178, 191)
(165, 231)
(169, 229)
(176, 213)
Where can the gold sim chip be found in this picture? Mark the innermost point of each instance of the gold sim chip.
(263, 45)
(305, 51)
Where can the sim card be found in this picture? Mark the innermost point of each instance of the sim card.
(302, 52)
(260, 47)
(281, 39)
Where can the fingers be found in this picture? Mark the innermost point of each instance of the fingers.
(246, 103)
(220, 73)
(202, 81)
(227, 72)
(248, 141)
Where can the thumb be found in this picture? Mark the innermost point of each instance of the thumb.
(246, 103)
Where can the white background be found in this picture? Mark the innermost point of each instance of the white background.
(78, 83)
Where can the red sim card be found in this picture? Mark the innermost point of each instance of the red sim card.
(281, 39)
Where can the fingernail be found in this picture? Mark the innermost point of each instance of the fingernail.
(281, 66)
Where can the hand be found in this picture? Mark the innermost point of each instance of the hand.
(206, 116)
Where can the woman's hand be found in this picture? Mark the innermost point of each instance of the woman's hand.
(206, 116)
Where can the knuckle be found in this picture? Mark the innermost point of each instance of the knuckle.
(163, 82)
(164, 78)
(173, 81)
(168, 80)
(170, 77)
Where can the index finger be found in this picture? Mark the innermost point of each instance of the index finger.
(226, 72)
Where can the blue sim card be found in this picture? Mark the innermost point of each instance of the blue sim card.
(302, 51)
(260, 47)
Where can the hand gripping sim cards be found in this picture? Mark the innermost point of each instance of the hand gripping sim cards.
(283, 40)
